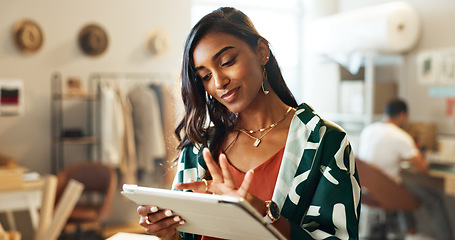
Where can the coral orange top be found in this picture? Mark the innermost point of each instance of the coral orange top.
(264, 180)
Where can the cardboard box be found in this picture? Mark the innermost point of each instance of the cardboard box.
(11, 178)
(446, 148)
(7, 162)
(424, 134)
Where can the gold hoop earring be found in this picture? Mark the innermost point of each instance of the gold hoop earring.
(265, 85)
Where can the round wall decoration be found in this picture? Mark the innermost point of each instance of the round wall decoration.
(28, 36)
(159, 42)
(93, 40)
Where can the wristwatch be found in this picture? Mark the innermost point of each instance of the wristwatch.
(273, 212)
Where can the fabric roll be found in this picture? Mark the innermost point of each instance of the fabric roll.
(390, 28)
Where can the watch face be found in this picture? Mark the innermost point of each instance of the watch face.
(274, 210)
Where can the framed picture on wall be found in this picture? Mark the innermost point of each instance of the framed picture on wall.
(426, 68)
(11, 97)
(446, 60)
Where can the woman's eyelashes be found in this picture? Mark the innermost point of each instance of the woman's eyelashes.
(229, 62)
(223, 64)
(206, 77)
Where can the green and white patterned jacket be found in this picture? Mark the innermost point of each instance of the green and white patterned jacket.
(317, 189)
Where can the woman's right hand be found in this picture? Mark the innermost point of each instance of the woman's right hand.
(161, 223)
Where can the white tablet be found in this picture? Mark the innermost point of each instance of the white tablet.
(207, 214)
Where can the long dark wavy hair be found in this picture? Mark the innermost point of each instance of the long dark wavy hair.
(206, 120)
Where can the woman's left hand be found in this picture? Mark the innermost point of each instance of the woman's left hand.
(223, 182)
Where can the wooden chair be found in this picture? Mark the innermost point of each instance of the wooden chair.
(95, 204)
(52, 222)
(382, 192)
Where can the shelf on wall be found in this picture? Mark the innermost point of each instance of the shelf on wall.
(79, 140)
(88, 140)
(79, 96)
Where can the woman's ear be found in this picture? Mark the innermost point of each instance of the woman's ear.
(263, 51)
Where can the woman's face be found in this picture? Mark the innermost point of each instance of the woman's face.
(230, 69)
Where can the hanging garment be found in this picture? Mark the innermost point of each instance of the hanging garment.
(112, 125)
(148, 127)
(117, 132)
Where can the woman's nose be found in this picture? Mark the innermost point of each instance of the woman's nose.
(221, 80)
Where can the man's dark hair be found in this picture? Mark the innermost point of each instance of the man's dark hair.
(395, 107)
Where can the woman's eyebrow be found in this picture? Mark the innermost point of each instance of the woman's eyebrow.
(220, 52)
(215, 56)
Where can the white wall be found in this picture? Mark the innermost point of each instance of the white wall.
(27, 138)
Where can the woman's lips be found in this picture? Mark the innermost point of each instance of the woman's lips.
(230, 96)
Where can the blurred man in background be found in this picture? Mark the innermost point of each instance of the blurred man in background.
(386, 145)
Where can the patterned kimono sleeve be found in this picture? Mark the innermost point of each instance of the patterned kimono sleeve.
(191, 166)
(331, 197)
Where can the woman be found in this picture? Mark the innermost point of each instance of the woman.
(243, 134)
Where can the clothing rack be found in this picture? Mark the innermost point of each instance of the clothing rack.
(96, 78)
(128, 82)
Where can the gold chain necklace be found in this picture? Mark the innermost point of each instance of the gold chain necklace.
(271, 125)
(258, 140)
(267, 129)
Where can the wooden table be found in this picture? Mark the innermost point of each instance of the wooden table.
(448, 180)
(27, 197)
(435, 178)
(38, 197)
(132, 236)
